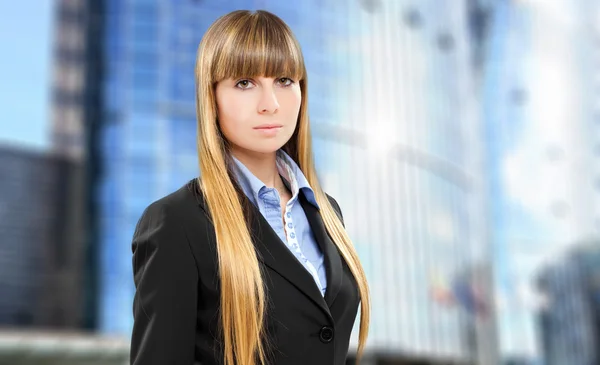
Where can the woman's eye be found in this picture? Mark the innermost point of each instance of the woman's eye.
(285, 81)
(243, 84)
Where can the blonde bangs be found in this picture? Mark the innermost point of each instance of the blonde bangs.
(258, 45)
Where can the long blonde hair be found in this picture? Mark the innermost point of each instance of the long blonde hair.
(246, 44)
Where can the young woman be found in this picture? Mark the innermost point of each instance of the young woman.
(249, 263)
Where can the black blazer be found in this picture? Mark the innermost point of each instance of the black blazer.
(176, 303)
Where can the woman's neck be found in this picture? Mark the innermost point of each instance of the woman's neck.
(262, 165)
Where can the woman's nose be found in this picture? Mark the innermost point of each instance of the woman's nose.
(268, 101)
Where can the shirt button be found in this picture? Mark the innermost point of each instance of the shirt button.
(289, 225)
(292, 235)
(289, 215)
(326, 334)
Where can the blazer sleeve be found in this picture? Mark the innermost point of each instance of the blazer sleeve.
(166, 282)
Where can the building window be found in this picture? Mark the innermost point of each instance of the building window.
(518, 96)
(445, 42)
(412, 18)
(370, 6)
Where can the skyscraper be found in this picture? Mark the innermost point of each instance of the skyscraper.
(76, 117)
(568, 324)
(41, 234)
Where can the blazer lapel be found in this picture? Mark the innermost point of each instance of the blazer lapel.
(275, 254)
(333, 261)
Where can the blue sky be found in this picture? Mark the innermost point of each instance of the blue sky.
(25, 46)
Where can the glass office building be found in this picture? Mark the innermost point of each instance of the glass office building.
(569, 324)
(41, 245)
(405, 161)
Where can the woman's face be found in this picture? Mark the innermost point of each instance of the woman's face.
(258, 114)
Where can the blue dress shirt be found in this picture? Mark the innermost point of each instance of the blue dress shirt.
(297, 235)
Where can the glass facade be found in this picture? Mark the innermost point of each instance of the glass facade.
(540, 104)
(568, 324)
(404, 160)
(41, 250)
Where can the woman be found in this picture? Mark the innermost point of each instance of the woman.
(250, 263)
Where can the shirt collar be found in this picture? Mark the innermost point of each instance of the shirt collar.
(289, 171)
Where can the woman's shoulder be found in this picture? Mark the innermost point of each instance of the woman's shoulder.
(176, 222)
(336, 207)
(334, 203)
(332, 200)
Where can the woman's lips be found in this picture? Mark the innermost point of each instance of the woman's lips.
(268, 126)
(268, 130)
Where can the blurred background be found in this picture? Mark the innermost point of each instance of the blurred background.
(460, 137)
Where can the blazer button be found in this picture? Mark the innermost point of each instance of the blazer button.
(326, 334)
